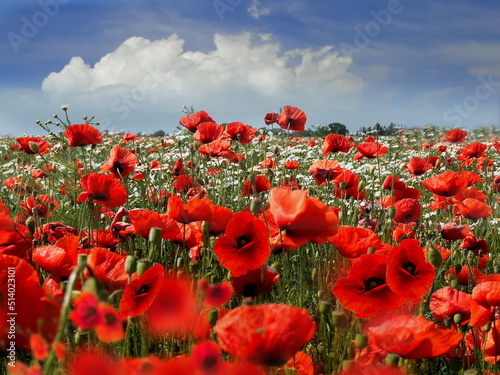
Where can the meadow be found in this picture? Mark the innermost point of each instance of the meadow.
(223, 249)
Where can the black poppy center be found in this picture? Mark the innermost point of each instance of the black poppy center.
(97, 197)
(410, 268)
(118, 167)
(143, 290)
(242, 241)
(373, 282)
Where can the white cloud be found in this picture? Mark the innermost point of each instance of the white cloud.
(255, 10)
(243, 78)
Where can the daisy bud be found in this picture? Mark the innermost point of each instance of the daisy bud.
(361, 341)
(434, 257)
(213, 316)
(65, 107)
(34, 147)
(324, 307)
(339, 319)
(143, 265)
(85, 118)
(131, 264)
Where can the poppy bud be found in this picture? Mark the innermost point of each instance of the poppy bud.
(131, 264)
(391, 212)
(92, 285)
(34, 211)
(82, 261)
(392, 359)
(251, 178)
(487, 327)
(276, 150)
(324, 307)
(213, 316)
(434, 257)
(371, 250)
(361, 186)
(205, 229)
(447, 322)
(342, 185)
(457, 318)
(63, 285)
(31, 224)
(361, 341)
(143, 265)
(371, 171)
(256, 205)
(155, 235)
(339, 319)
(277, 267)
(34, 147)
(193, 266)
(454, 284)
(348, 364)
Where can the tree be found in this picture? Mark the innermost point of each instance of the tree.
(159, 133)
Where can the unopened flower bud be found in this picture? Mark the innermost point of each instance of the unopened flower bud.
(155, 235)
(256, 205)
(457, 318)
(33, 146)
(324, 307)
(434, 256)
(454, 284)
(392, 359)
(143, 265)
(131, 264)
(213, 316)
(339, 319)
(251, 178)
(31, 224)
(371, 250)
(361, 341)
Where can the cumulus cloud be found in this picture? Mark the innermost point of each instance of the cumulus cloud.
(255, 10)
(244, 76)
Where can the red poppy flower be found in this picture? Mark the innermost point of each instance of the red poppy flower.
(218, 147)
(455, 136)
(174, 309)
(261, 184)
(324, 170)
(245, 246)
(140, 293)
(102, 189)
(417, 166)
(352, 242)
(393, 182)
(267, 334)
(408, 274)
(372, 150)
(301, 218)
(195, 209)
(453, 231)
(238, 131)
(447, 184)
(473, 209)
(270, 118)
(219, 220)
(410, 337)
(335, 143)
(365, 291)
(447, 301)
(255, 282)
(110, 329)
(108, 267)
(292, 164)
(91, 361)
(41, 205)
(192, 121)
(472, 150)
(302, 363)
(121, 162)
(14, 238)
(54, 231)
(60, 258)
(33, 145)
(82, 135)
(207, 132)
(485, 298)
(129, 137)
(401, 231)
(143, 220)
(39, 347)
(292, 118)
(408, 210)
(216, 295)
(86, 314)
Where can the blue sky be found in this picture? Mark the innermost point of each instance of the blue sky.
(134, 64)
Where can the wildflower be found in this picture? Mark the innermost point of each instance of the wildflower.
(192, 121)
(267, 334)
(102, 189)
(82, 135)
(292, 118)
(408, 210)
(121, 162)
(207, 132)
(255, 282)
(455, 136)
(86, 314)
(33, 145)
(335, 143)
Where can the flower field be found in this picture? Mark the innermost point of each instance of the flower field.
(225, 250)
